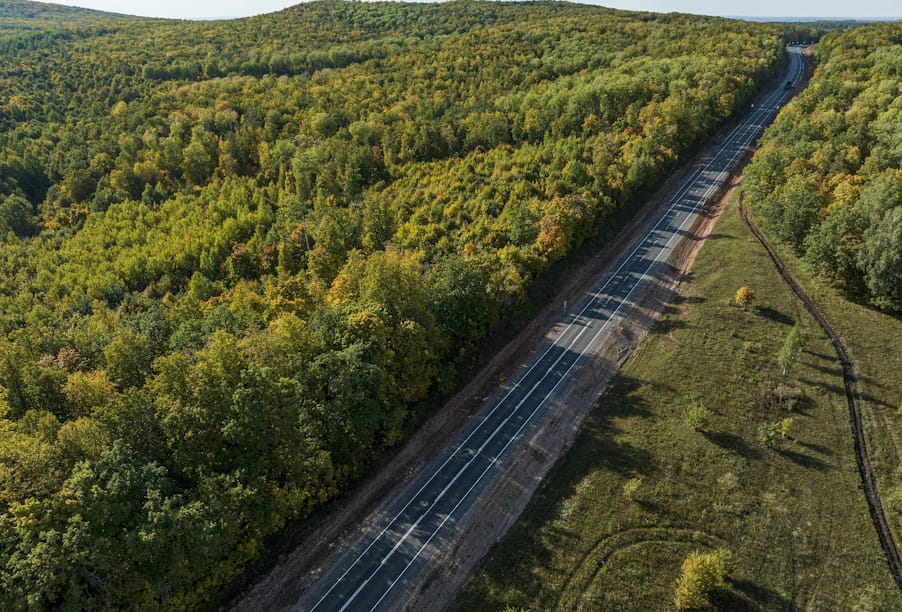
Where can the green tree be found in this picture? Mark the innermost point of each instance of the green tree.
(86, 391)
(697, 416)
(631, 488)
(79, 185)
(881, 258)
(344, 396)
(128, 358)
(769, 434)
(459, 298)
(197, 163)
(792, 346)
(15, 215)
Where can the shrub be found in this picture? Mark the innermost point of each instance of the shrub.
(744, 297)
(769, 434)
(702, 574)
(631, 487)
(785, 428)
(697, 416)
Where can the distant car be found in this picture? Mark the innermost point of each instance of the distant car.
(788, 85)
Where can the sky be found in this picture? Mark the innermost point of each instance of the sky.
(212, 9)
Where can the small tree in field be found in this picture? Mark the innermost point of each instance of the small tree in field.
(631, 487)
(786, 428)
(792, 346)
(697, 416)
(702, 573)
(769, 434)
(744, 297)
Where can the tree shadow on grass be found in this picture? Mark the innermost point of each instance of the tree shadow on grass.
(600, 432)
(597, 447)
(872, 382)
(689, 299)
(733, 443)
(803, 460)
(840, 390)
(832, 357)
(825, 386)
(665, 326)
(832, 370)
(818, 448)
(776, 316)
(871, 399)
(669, 320)
(746, 595)
(652, 507)
(620, 399)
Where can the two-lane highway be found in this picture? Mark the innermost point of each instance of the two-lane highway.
(374, 573)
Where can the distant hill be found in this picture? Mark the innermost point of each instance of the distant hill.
(826, 23)
(24, 16)
(44, 11)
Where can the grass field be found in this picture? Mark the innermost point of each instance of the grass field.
(874, 342)
(793, 516)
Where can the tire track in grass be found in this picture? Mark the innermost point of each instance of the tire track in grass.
(594, 562)
(865, 471)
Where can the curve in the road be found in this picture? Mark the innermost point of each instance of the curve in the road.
(368, 577)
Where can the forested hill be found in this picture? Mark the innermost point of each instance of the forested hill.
(239, 258)
(828, 179)
(27, 15)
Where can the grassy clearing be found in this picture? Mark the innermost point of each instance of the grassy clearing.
(793, 516)
(874, 342)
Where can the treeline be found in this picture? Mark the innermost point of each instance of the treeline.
(224, 290)
(806, 32)
(828, 179)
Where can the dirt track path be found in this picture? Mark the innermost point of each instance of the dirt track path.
(868, 482)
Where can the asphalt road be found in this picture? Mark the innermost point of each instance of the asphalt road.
(375, 574)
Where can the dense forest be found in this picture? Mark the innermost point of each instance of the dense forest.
(239, 258)
(828, 179)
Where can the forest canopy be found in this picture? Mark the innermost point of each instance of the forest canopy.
(828, 178)
(240, 258)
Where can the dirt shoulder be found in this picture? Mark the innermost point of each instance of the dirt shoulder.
(502, 504)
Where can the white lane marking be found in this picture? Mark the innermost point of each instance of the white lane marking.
(541, 403)
(589, 303)
(499, 403)
(748, 125)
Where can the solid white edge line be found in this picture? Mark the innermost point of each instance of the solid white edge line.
(748, 124)
(664, 250)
